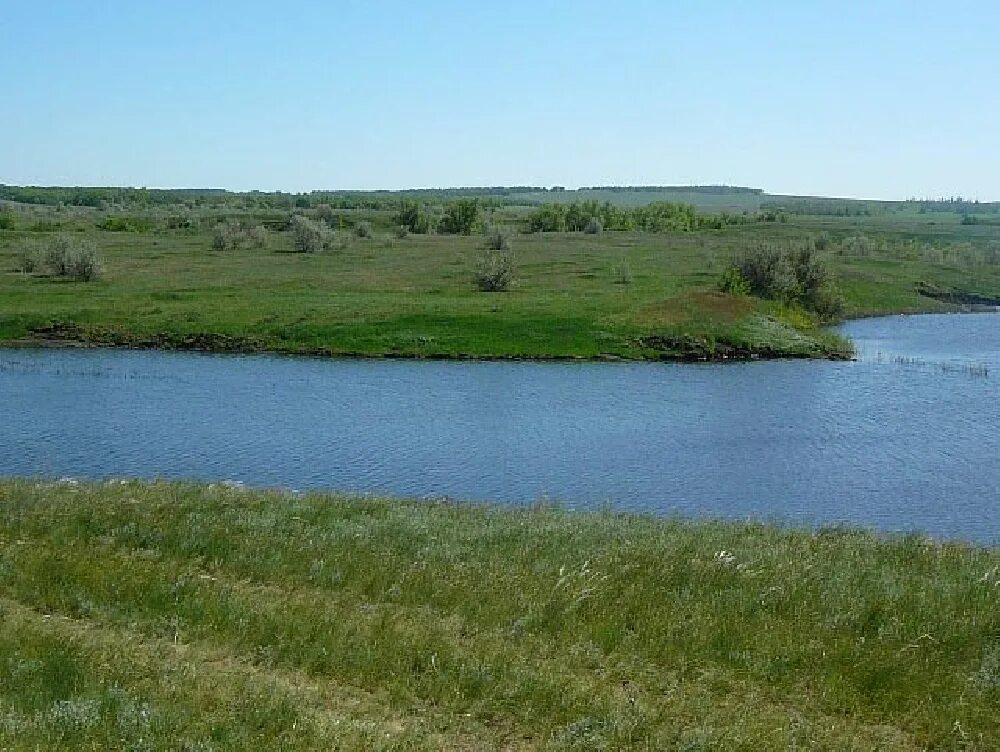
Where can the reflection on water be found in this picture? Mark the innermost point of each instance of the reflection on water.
(903, 439)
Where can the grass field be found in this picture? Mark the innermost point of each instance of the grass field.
(160, 616)
(415, 297)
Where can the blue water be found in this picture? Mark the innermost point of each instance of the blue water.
(906, 438)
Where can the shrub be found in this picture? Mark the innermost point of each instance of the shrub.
(821, 242)
(30, 258)
(594, 227)
(856, 245)
(792, 275)
(257, 236)
(413, 218)
(401, 231)
(363, 230)
(125, 224)
(70, 257)
(460, 217)
(7, 220)
(57, 254)
(310, 236)
(228, 236)
(733, 282)
(495, 270)
(324, 213)
(84, 265)
(548, 218)
(496, 238)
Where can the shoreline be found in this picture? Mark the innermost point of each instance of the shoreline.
(72, 336)
(650, 349)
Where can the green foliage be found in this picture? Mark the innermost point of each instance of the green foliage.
(324, 213)
(8, 220)
(496, 238)
(63, 256)
(310, 236)
(858, 246)
(125, 224)
(548, 218)
(363, 229)
(495, 270)
(414, 218)
(227, 236)
(84, 265)
(733, 282)
(659, 216)
(230, 235)
(794, 275)
(460, 217)
(30, 257)
(257, 236)
(822, 241)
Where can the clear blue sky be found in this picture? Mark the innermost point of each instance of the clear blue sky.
(874, 99)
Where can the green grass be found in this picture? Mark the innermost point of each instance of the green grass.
(416, 297)
(166, 616)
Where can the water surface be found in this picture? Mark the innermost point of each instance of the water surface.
(906, 438)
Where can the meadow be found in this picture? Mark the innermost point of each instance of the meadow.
(209, 617)
(172, 616)
(374, 290)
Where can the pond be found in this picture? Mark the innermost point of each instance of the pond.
(905, 438)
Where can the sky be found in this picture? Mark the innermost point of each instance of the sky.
(889, 99)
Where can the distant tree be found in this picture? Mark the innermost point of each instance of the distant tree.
(460, 217)
(413, 218)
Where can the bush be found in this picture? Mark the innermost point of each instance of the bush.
(496, 238)
(733, 282)
(30, 258)
(7, 220)
(401, 231)
(57, 254)
(231, 235)
(413, 218)
(70, 257)
(125, 224)
(548, 218)
(495, 270)
(792, 275)
(84, 265)
(856, 245)
(228, 236)
(460, 217)
(257, 236)
(594, 227)
(310, 236)
(324, 213)
(363, 230)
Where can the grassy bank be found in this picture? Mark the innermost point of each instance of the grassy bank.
(198, 617)
(621, 294)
